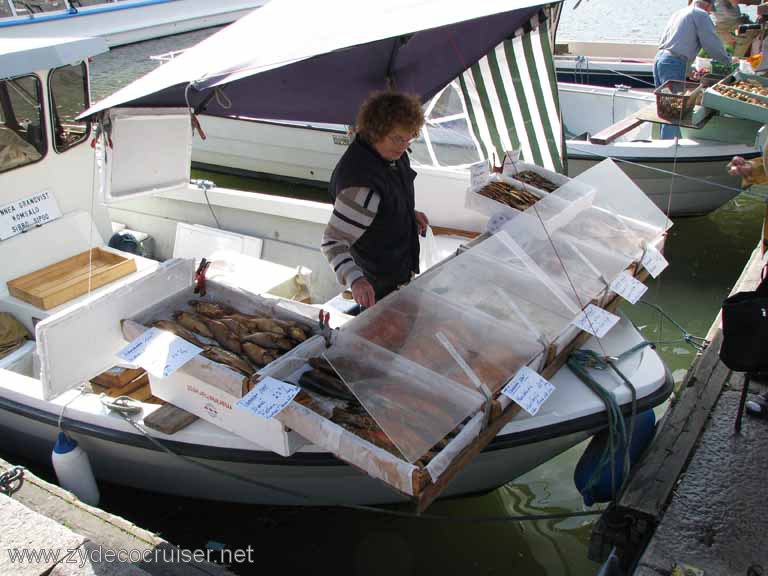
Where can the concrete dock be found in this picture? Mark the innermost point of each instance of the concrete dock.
(697, 502)
(45, 530)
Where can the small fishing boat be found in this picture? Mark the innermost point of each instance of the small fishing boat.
(44, 386)
(117, 21)
(606, 64)
(684, 177)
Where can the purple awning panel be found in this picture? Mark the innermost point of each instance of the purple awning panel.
(319, 72)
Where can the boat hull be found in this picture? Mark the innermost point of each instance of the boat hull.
(700, 186)
(204, 461)
(324, 479)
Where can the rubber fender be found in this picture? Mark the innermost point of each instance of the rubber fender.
(600, 491)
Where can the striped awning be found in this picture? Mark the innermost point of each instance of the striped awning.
(511, 97)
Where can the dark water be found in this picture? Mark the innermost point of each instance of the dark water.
(706, 255)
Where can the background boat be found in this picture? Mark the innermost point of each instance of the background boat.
(687, 178)
(117, 21)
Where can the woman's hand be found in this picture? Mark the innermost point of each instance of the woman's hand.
(363, 292)
(738, 166)
(421, 222)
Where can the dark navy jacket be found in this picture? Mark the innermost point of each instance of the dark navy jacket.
(388, 251)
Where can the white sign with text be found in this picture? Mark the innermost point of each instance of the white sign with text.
(595, 321)
(529, 389)
(628, 287)
(159, 352)
(654, 261)
(268, 397)
(25, 213)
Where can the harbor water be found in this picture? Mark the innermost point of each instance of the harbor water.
(706, 255)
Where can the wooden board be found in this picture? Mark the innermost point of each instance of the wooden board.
(613, 131)
(117, 376)
(65, 280)
(169, 419)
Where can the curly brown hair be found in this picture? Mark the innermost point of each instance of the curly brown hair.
(383, 111)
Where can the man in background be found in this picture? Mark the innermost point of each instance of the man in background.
(688, 31)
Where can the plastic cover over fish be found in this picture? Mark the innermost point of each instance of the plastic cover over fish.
(420, 364)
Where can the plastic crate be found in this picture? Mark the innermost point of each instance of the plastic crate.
(676, 98)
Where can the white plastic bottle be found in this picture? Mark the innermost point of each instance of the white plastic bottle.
(73, 469)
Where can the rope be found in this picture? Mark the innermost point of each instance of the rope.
(124, 409)
(696, 342)
(11, 481)
(579, 361)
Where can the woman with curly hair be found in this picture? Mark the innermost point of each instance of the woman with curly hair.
(371, 240)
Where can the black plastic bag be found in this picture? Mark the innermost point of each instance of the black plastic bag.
(745, 330)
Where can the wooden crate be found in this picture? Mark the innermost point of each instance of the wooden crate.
(70, 278)
(126, 390)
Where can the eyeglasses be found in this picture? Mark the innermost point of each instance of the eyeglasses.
(400, 141)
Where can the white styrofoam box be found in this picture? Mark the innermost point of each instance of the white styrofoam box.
(251, 274)
(158, 141)
(211, 390)
(217, 406)
(197, 241)
(20, 360)
(489, 207)
(82, 340)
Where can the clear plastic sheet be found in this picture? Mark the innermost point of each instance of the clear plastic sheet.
(618, 194)
(420, 364)
(575, 267)
(415, 407)
(511, 294)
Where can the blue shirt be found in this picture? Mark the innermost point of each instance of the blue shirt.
(689, 30)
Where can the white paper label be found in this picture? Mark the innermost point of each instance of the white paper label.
(529, 390)
(628, 287)
(159, 352)
(654, 261)
(479, 174)
(268, 397)
(595, 321)
(26, 213)
(508, 167)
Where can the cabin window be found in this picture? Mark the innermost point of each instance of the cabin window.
(22, 132)
(69, 97)
(26, 8)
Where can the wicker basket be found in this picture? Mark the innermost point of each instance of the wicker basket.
(675, 98)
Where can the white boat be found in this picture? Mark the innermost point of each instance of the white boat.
(606, 64)
(684, 177)
(289, 230)
(117, 21)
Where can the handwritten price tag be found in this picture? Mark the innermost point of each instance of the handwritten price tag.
(595, 321)
(529, 390)
(159, 352)
(268, 397)
(654, 261)
(628, 287)
(478, 174)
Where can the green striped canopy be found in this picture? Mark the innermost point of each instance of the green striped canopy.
(511, 99)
